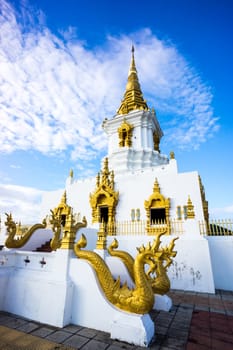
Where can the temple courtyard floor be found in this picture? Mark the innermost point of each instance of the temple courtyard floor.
(196, 321)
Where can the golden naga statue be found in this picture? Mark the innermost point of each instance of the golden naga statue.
(158, 265)
(139, 300)
(20, 241)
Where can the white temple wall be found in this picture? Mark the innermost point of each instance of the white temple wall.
(221, 252)
(191, 269)
(135, 188)
(4, 279)
(30, 288)
(38, 238)
(88, 301)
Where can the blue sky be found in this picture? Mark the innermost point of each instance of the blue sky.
(64, 67)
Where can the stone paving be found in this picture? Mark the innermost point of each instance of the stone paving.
(197, 321)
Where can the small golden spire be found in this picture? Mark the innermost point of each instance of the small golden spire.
(172, 155)
(156, 186)
(133, 98)
(63, 198)
(71, 174)
(190, 209)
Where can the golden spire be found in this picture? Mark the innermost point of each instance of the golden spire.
(71, 174)
(63, 198)
(133, 98)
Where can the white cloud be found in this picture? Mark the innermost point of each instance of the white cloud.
(55, 93)
(23, 202)
(225, 212)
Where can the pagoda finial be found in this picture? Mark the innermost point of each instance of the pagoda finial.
(63, 198)
(133, 98)
(132, 65)
(71, 174)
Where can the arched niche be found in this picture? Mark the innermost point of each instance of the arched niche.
(63, 210)
(104, 199)
(125, 134)
(157, 212)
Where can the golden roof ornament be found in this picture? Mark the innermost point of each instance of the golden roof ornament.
(63, 198)
(133, 98)
(156, 187)
(190, 209)
(71, 174)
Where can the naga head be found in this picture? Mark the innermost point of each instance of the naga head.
(157, 258)
(10, 224)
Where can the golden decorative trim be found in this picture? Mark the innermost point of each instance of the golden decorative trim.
(172, 155)
(101, 237)
(156, 140)
(64, 225)
(104, 200)
(133, 98)
(204, 201)
(190, 209)
(71, 174)
(125, 134)
(62, 210)
(158, 202)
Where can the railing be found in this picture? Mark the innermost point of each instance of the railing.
(174, 227)
(134, 228)
(216, 227)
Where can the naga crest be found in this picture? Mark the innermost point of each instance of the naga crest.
(157, 260)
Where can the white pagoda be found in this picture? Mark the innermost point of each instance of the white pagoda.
(139, 192)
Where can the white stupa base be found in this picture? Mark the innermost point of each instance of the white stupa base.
(162, 303)
(133, 329)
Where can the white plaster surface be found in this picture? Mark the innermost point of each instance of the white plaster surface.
(191, 269)
(91, 309)
(38, 292)
(134, 329)
(162, 303)
(221, 252)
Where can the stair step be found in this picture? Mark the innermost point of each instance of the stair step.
(44, 247)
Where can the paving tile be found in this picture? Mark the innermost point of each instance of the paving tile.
(160, 330)
(15, 322)
(178, 333)
(221, 345)
(42, 332)
(72, 328)
(224, 336)
(76, 341)
(201, 307)
(88, 332)
(201, 340)
(174, 343)
(192, 346)
(58, 336)
(95, 345)
(12, 339)
(4, 318)
(28, 327)
(120, 346)
(115, 347)
(104, 337)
